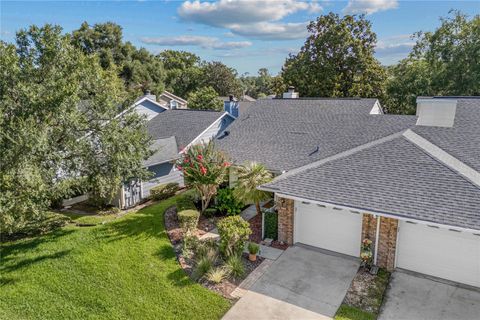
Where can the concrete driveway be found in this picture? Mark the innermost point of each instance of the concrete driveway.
(414, 297)
(302, 283)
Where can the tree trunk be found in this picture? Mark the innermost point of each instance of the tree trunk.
(257, 205)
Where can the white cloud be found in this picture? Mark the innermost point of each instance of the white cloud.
(259, 19)
(392, 49)
(199, 41)
(369, 6)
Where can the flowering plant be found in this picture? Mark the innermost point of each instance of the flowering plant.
(203, 168)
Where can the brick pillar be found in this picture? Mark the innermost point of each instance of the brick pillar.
(285, 209)
(387, 243)
(369, 228)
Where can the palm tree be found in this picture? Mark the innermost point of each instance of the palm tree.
(250, 176)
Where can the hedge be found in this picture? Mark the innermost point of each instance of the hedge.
(270, 225)
(164, 191)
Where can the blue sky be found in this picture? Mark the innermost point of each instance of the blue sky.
(244, 34)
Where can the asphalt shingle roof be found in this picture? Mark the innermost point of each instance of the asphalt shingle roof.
(462, 140)
(394, 177)
(165, 149)
(288, 133)
(184, 125)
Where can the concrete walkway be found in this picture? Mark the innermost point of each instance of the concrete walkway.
(413, 297)
(301, 284)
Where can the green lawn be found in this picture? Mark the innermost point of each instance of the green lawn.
(346, 312)
(124, 269)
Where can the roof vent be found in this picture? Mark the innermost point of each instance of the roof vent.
(290, 94)
(148, 94)
(436, 111)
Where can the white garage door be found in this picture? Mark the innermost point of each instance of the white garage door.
(439, 252)
(328, 228)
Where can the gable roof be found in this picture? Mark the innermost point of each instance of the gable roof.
(394, 177)
(463, 139)
(184, 124)
(165, 149)
(288, 133)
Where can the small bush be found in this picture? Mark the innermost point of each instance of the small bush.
(210, 212)
(164, 191)
(217, 275)
(270, 223)
(253, 248)
(206, 248)
(203, 266)
(235, 266)
(234, 232)
(185, 203)
(227, 203)
(188, 221)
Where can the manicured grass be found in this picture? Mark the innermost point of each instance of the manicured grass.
(124, 269)
(346, 312)
(90, 219)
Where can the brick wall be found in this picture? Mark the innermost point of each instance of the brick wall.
(387, 243)
(285, 209)
(387, 240)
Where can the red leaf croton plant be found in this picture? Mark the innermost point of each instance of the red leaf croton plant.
(203, 168)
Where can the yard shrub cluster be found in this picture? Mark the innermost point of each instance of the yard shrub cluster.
(270, 225)
(234, 232)
(164, 191)
(227, 203)
(188, 220)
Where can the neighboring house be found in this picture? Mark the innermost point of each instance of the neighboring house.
(172, 132)
(411, 184)
(171, 101)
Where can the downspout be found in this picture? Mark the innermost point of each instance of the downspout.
(377, 234)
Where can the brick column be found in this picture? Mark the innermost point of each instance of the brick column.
(369, 228)
(285, 209)
(387, 243)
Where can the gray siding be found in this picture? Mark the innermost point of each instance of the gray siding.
(149, 109)
(215, 130)
(163, 173)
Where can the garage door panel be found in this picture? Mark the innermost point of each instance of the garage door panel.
(327, 228)
(439, 252)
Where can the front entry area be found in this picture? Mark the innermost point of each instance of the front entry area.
(439, 252)
(327, 228)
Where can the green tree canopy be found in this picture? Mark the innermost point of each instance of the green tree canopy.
(443, 62)
(205, 98)
(59, 124)
(221, 78)
(183, 72)
(139, 69)
(336, 60)
(250, 177)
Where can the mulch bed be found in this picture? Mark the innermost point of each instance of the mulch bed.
(256, 226)
(366, 290)
(279, 245)
(174, 232)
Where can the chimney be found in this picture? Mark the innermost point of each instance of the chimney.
(290, 94)
(436, 111)
(148, 94)
(231, 106)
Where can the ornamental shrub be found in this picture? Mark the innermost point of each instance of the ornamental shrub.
(164, 191)
(227, 203)
(235, 266)
(234, 232)
(188, 221)
(270, 225)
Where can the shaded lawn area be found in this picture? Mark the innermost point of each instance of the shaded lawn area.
(125, 269)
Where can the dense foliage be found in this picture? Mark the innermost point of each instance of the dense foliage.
(270, 225)
(263, 84)
(337, 60)
(443, 62)
(59, 126)
(203, 168)
(205, 98)
(227, 203)
(250, 177)
(164, 191)
(234, 232)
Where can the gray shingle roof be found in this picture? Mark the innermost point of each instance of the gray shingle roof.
(462, 140)
(289, 133)
(395, 177)
(166, 149)
(184, 125)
